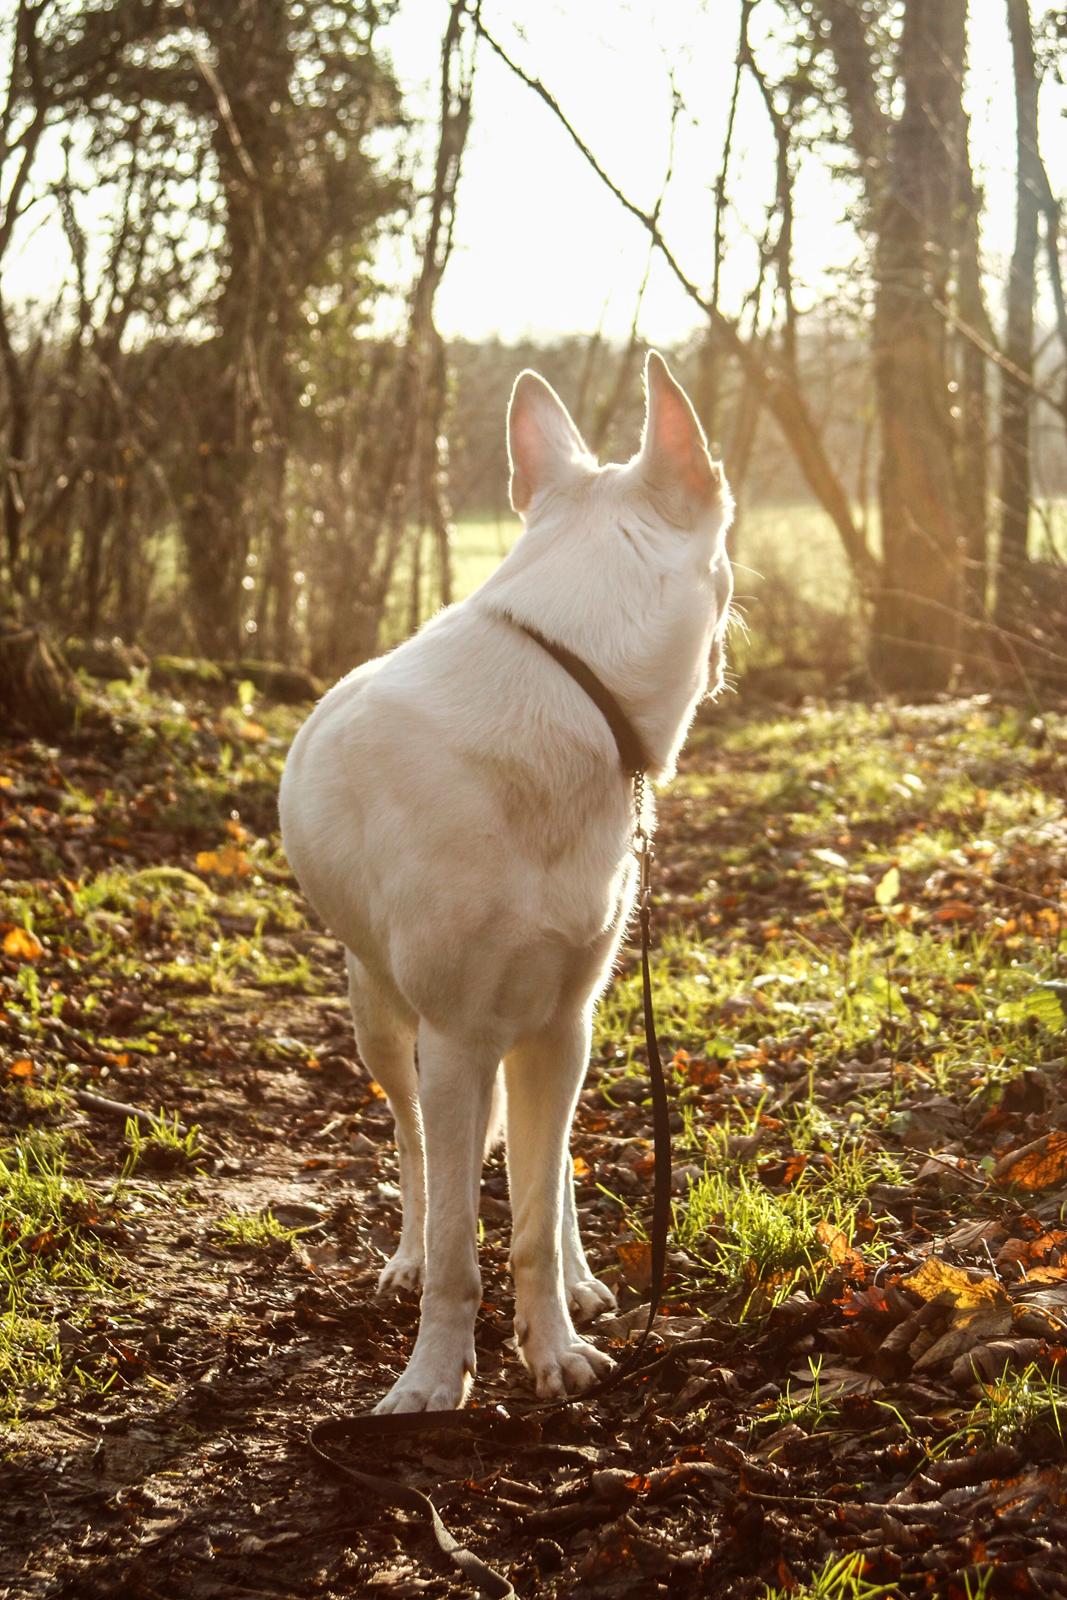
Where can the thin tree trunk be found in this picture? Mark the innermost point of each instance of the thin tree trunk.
(917, 614)
(1017, 377)
(974, 419)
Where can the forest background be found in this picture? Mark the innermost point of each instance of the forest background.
(269, 270)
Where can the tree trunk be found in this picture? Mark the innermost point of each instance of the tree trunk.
(976, 341)
(1017, 376)
(39, 695)
(917, 613)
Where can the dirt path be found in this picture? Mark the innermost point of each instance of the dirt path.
(819, 1423)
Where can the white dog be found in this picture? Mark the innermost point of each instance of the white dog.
(458, 815)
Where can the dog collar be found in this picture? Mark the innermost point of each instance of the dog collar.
(632, 754)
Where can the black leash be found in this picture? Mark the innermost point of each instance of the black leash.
(497, 1423)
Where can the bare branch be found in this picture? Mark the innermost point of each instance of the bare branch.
(777, 384)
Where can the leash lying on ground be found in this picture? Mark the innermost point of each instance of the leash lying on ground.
(497, 1422)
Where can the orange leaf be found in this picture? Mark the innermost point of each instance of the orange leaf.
(979, 1309)
(955, 911)
(229, 862)
(1039, 1165)
(635, 1257)
(581, 1167)
(376, 1090)
(1046, 1275)
(21, 1067)
(837, 1247)
(22, 945)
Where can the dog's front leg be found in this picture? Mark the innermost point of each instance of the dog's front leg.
(587, 1297)
(456, 1080)
(543, 1077)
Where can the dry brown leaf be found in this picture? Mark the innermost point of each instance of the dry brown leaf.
(955, 911)
(1031, 1250)
(1039, 1165)
(984, 1363)
(229, 862)
(979, 1309)
(936, 1277)
(635, 1258)
(837, 1247)
(23, 945)
(1046, 1275)
(833, 1382)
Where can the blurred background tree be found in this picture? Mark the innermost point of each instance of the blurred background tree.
(231, 427)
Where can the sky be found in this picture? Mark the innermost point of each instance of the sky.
(542, 249)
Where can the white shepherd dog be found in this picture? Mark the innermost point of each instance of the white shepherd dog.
(457, 813)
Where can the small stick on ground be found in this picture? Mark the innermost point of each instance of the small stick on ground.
(118, 1108)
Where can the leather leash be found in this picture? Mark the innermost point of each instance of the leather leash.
(497, 1422)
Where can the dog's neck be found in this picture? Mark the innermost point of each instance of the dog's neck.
(646, 634)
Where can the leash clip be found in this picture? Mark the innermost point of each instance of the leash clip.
(642, 844)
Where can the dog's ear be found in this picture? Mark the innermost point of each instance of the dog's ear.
(544, 446)
(674, 452)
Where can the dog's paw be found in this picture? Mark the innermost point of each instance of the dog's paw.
(570, 1368)
(403, 1271)
(588, 1298)
(433, 1385)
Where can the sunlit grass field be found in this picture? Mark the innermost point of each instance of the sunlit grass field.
(791, 577)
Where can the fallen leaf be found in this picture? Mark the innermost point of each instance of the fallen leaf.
(936, 1278)
(635, 1258)
(837, 1247)
(979, 1309)
(229, 862)
(955, 911)
(21, 1067)
(23, 945)
(1040, 1005)
(1042, 1164)
(887, 889)
(832, 1382)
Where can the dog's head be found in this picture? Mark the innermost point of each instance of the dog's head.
(670, 503)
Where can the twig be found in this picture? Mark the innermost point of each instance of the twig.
(118, 1108)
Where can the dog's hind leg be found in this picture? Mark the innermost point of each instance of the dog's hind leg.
(385, 1036)
(587, 1297)
(456, 1077)
(543, 1076)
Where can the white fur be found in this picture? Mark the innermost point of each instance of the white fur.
(457, 815)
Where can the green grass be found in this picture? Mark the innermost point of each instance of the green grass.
(1014, 1403)
(164, 1143)
(840, 1579)
(49, 1265)
(253, 1230)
